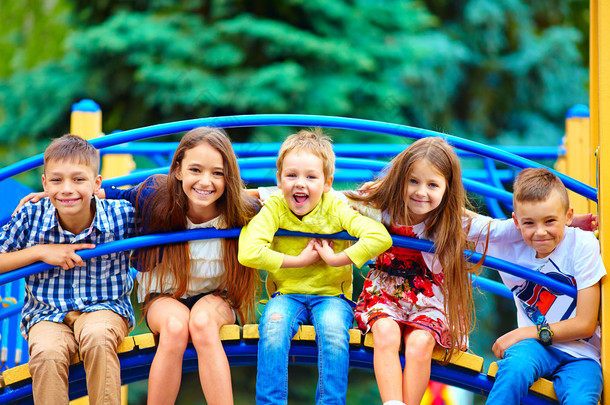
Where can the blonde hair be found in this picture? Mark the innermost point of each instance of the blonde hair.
(73, 148)
(536, 185)
(443, 224)
(166, 211)
(310, 141)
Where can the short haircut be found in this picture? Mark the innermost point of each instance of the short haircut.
(73, 148)
(536, 185)
(310, 141)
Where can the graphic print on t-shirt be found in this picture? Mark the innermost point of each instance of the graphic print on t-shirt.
(537, 299)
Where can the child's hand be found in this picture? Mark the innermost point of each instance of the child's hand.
(514, 336)
(366, 187)
(327, 253)
(309, 255)
(325, 250)
(63, 255)
(33, 197)
(587, 222)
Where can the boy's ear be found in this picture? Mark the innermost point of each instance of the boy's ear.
(328, 184)
(98, 184)
(44, 183)
(515, 220)
(277, 176)
(569, 216)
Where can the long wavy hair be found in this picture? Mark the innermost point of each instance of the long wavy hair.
(165, 211)
(443, 224)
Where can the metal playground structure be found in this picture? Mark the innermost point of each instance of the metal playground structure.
(587, 140)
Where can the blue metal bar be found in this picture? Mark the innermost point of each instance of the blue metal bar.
(491, 286)
(492, 203)
(307, 121)
(196, 234)
(341, 149)
(11, 310)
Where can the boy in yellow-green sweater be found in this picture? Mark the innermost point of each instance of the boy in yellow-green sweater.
(309, 281)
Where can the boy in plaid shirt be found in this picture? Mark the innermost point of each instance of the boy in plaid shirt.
(78, 304)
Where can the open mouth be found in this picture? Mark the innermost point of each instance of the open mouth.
(300, 198)
(69, 201)
(204, 193)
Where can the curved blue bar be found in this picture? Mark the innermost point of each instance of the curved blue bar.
(247, 149)
(193, 234)
(314, 120)
(492, 204)
(346, 163)
(10, 310)
(491, 286)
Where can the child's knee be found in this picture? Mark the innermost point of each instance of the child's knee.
(175, 331)
(420, 345)
(50, 350)
(101, 334)
(275, 327)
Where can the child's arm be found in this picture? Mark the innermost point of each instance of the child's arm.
(63, 255)
(373, 238)
(256, 238)
(580, 327)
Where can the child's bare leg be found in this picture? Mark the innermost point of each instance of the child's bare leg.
(169, 318)
(207, 316)
(419, 345)
(386, 360)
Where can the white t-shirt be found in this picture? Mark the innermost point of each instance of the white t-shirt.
(576, 260)
(207, 267)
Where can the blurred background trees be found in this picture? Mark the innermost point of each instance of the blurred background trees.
(494, 71)
(490, 70)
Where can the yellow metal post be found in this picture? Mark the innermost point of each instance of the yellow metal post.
(86, 119)
(86, 122)
(600, 133)
(578, 147)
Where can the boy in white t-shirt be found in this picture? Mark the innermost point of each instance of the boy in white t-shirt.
(558, 337)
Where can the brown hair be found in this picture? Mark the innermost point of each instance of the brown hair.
(166, 211)
(311, 141)
(536, 185)
(73, 148)
(443, 224)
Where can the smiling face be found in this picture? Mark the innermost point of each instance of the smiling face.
(425, 190)
(202, 175)
(542, 223)
(70, 187)
(302, 181)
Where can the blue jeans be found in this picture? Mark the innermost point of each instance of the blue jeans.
(576, 380)
(331, 317)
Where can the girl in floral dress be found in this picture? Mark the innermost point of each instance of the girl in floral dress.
(420, 298)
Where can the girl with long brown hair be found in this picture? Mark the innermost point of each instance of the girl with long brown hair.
(191, 289)
(419, 298)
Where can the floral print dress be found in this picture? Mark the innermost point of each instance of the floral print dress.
(403, 288)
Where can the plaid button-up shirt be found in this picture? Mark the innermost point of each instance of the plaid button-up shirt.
(101, 283)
